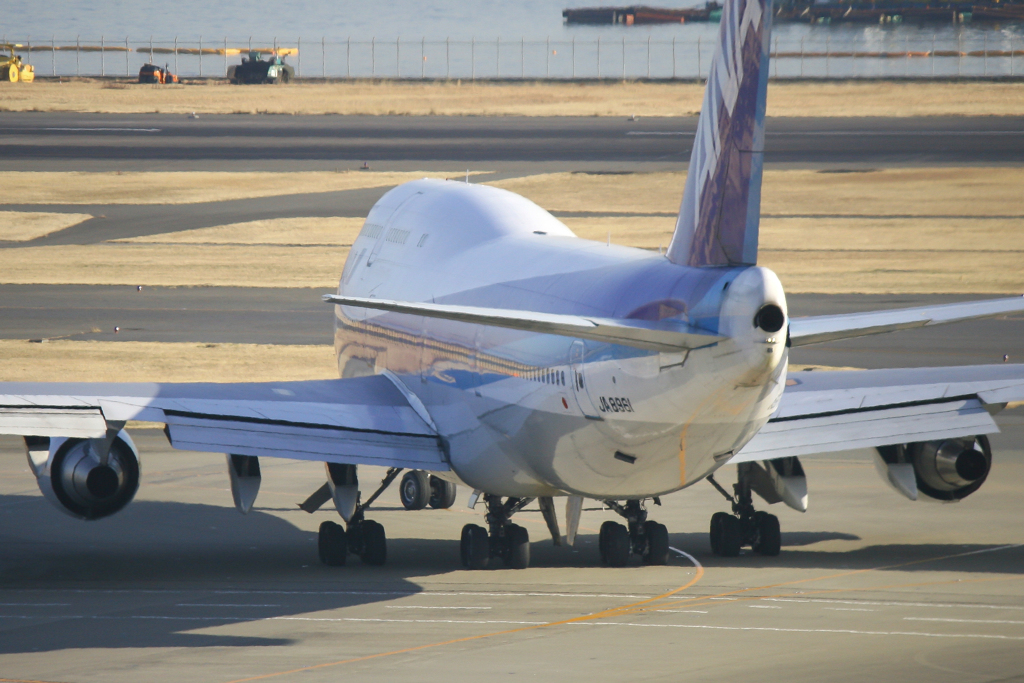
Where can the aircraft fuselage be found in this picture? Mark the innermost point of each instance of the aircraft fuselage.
(526, 414)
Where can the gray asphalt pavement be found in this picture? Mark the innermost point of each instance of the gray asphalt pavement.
(89, 142)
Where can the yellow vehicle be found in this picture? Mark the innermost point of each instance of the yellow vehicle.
(11, 67)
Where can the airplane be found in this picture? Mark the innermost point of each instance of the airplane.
(481, 343)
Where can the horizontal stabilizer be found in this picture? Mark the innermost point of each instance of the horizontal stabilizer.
(826, 328)
(637, 333)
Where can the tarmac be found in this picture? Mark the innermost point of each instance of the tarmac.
(180, 586)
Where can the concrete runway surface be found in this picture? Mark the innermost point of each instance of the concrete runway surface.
(147, 142)
(179, 586)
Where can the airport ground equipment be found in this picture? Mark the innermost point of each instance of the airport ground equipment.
(151, 73)
(254, 70)
(12, 68)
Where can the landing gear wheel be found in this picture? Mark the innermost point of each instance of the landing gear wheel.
(769, 536)
(475, 547)
(332, 544)
(616, 546)
(716, 532)
(602, 540)
(517, 555)
(375, 543)
(12, 73)
(442, 493)
(657, 543)
(414, 490)
(730, 536)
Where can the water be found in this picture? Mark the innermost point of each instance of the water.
(446, 38)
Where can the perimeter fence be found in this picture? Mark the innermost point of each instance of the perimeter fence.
(892, 56)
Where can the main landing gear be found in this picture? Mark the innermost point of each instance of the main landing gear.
(745, 526)
(501, 540)
(362, 537)
(641, 536)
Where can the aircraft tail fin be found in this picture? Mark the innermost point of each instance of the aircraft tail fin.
(720, 211)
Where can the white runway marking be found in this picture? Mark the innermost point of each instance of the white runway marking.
(965, 621)
(849, 609)
(105, 130)
(764, 606)
(430, 607)
(947, 605)
(222, 604)
(809, 630)
(852, 133)
(681, 611)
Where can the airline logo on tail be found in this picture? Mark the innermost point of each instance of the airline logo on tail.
(718, 219)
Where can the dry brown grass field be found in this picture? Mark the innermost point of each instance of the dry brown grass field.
(466, 98)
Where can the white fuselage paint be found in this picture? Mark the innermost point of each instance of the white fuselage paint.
(525, 414)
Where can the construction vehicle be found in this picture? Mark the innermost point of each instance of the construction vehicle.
(256, 70)
(151, 73)
(12, 68)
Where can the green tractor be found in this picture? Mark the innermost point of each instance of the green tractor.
(11, 67)
(256, 70)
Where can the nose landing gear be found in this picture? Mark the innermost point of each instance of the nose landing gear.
(745, 526)
(503, 539)
(641, 536)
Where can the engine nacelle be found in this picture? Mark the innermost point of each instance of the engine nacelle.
(946, 471)
(73, 476)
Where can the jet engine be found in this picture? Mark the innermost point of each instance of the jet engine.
(946, 471)
(76, 476)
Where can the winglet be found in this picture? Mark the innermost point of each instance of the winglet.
(719, 215)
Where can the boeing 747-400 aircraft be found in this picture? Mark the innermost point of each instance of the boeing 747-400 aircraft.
(480, 342)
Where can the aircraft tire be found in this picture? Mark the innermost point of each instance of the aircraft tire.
(602, 540)
(657, 543)
(518, 552)
(414, 490)
(617, 545)
(769, 535)
(332, 544)
(716, 532)
(475, 547)
(375, 543)
(730, 538)
(442, 493)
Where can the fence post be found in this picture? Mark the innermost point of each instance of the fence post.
(648, 58)
(175, 54)
(127, 63)
(673, 58)
(599, 58)
(398, 57)
(201, 54)
(78, 52)
(323, 57)
(497, 57)
(103, 68)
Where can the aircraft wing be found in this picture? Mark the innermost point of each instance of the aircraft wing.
(361, 420)
(825, 328)
(638, 333)
(825, 411)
